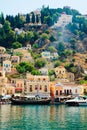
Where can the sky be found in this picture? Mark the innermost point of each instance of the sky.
(13, 7)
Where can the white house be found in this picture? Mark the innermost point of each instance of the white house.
(7, 66)
(43, 71)
(49, 56)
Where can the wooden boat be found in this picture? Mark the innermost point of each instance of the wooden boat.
(78, 101)
(30, 100)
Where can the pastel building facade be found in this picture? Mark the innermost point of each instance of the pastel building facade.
(7, 66)
(4, 57)
(3, 82)
(49, 56)
(37, 85)
(2, 50)
(66, 89)
(15, 59)
(18, 85)
(28, 47)
(5, 87)
(26, 56)
(43, 71)
(62, 75)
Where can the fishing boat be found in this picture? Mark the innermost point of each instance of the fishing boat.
(34, 100)
(77, 101)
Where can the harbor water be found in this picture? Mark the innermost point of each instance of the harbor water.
(42, 117)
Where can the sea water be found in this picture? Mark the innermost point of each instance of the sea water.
(42, 117)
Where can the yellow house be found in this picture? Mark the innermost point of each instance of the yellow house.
(60, 72)
(2, 90)
(62, 75)
(10, 89)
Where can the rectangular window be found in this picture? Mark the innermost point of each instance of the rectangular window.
(65, 91)
(60, 92)
(35, 87)
(30, 88)
(76, 91)
(45, 89)
(56, 92)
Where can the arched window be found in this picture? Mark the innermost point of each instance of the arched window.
(40, 87)
(17, 85)
(30, 88)
(45, 89)
(70, 91)
(76, 91)
(44, 79)
(60, 92)
(65, 91)
(35, 87)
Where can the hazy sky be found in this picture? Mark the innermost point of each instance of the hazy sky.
(13, 7)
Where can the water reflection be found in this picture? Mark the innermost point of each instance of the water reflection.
(39, 117)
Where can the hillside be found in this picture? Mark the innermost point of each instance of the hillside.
(63, 31)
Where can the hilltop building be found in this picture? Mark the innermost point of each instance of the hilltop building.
(63, 20)
(37, 15)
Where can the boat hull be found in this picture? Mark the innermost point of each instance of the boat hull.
(32, 102)
(82, 103)
(72, 103)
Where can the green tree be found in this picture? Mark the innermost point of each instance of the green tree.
(20, 54)
(28, 18)
(67, 53)
(7, 26)
(19, 21)
(73, 43)
(35, 45)
(51, 72)
(48, 20)
(37, 19)
(11, 19)
(44, 36)
(29, 37)
(21, 38)
(33, 18)
(35, 72)
(85, 78)
(16, 45)
(52, 49)
(57, 63)
(60, 47)
(52, 38)
(40, 63)
(23, 67)
(2, 19)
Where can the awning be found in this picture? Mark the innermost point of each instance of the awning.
(18, 89)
